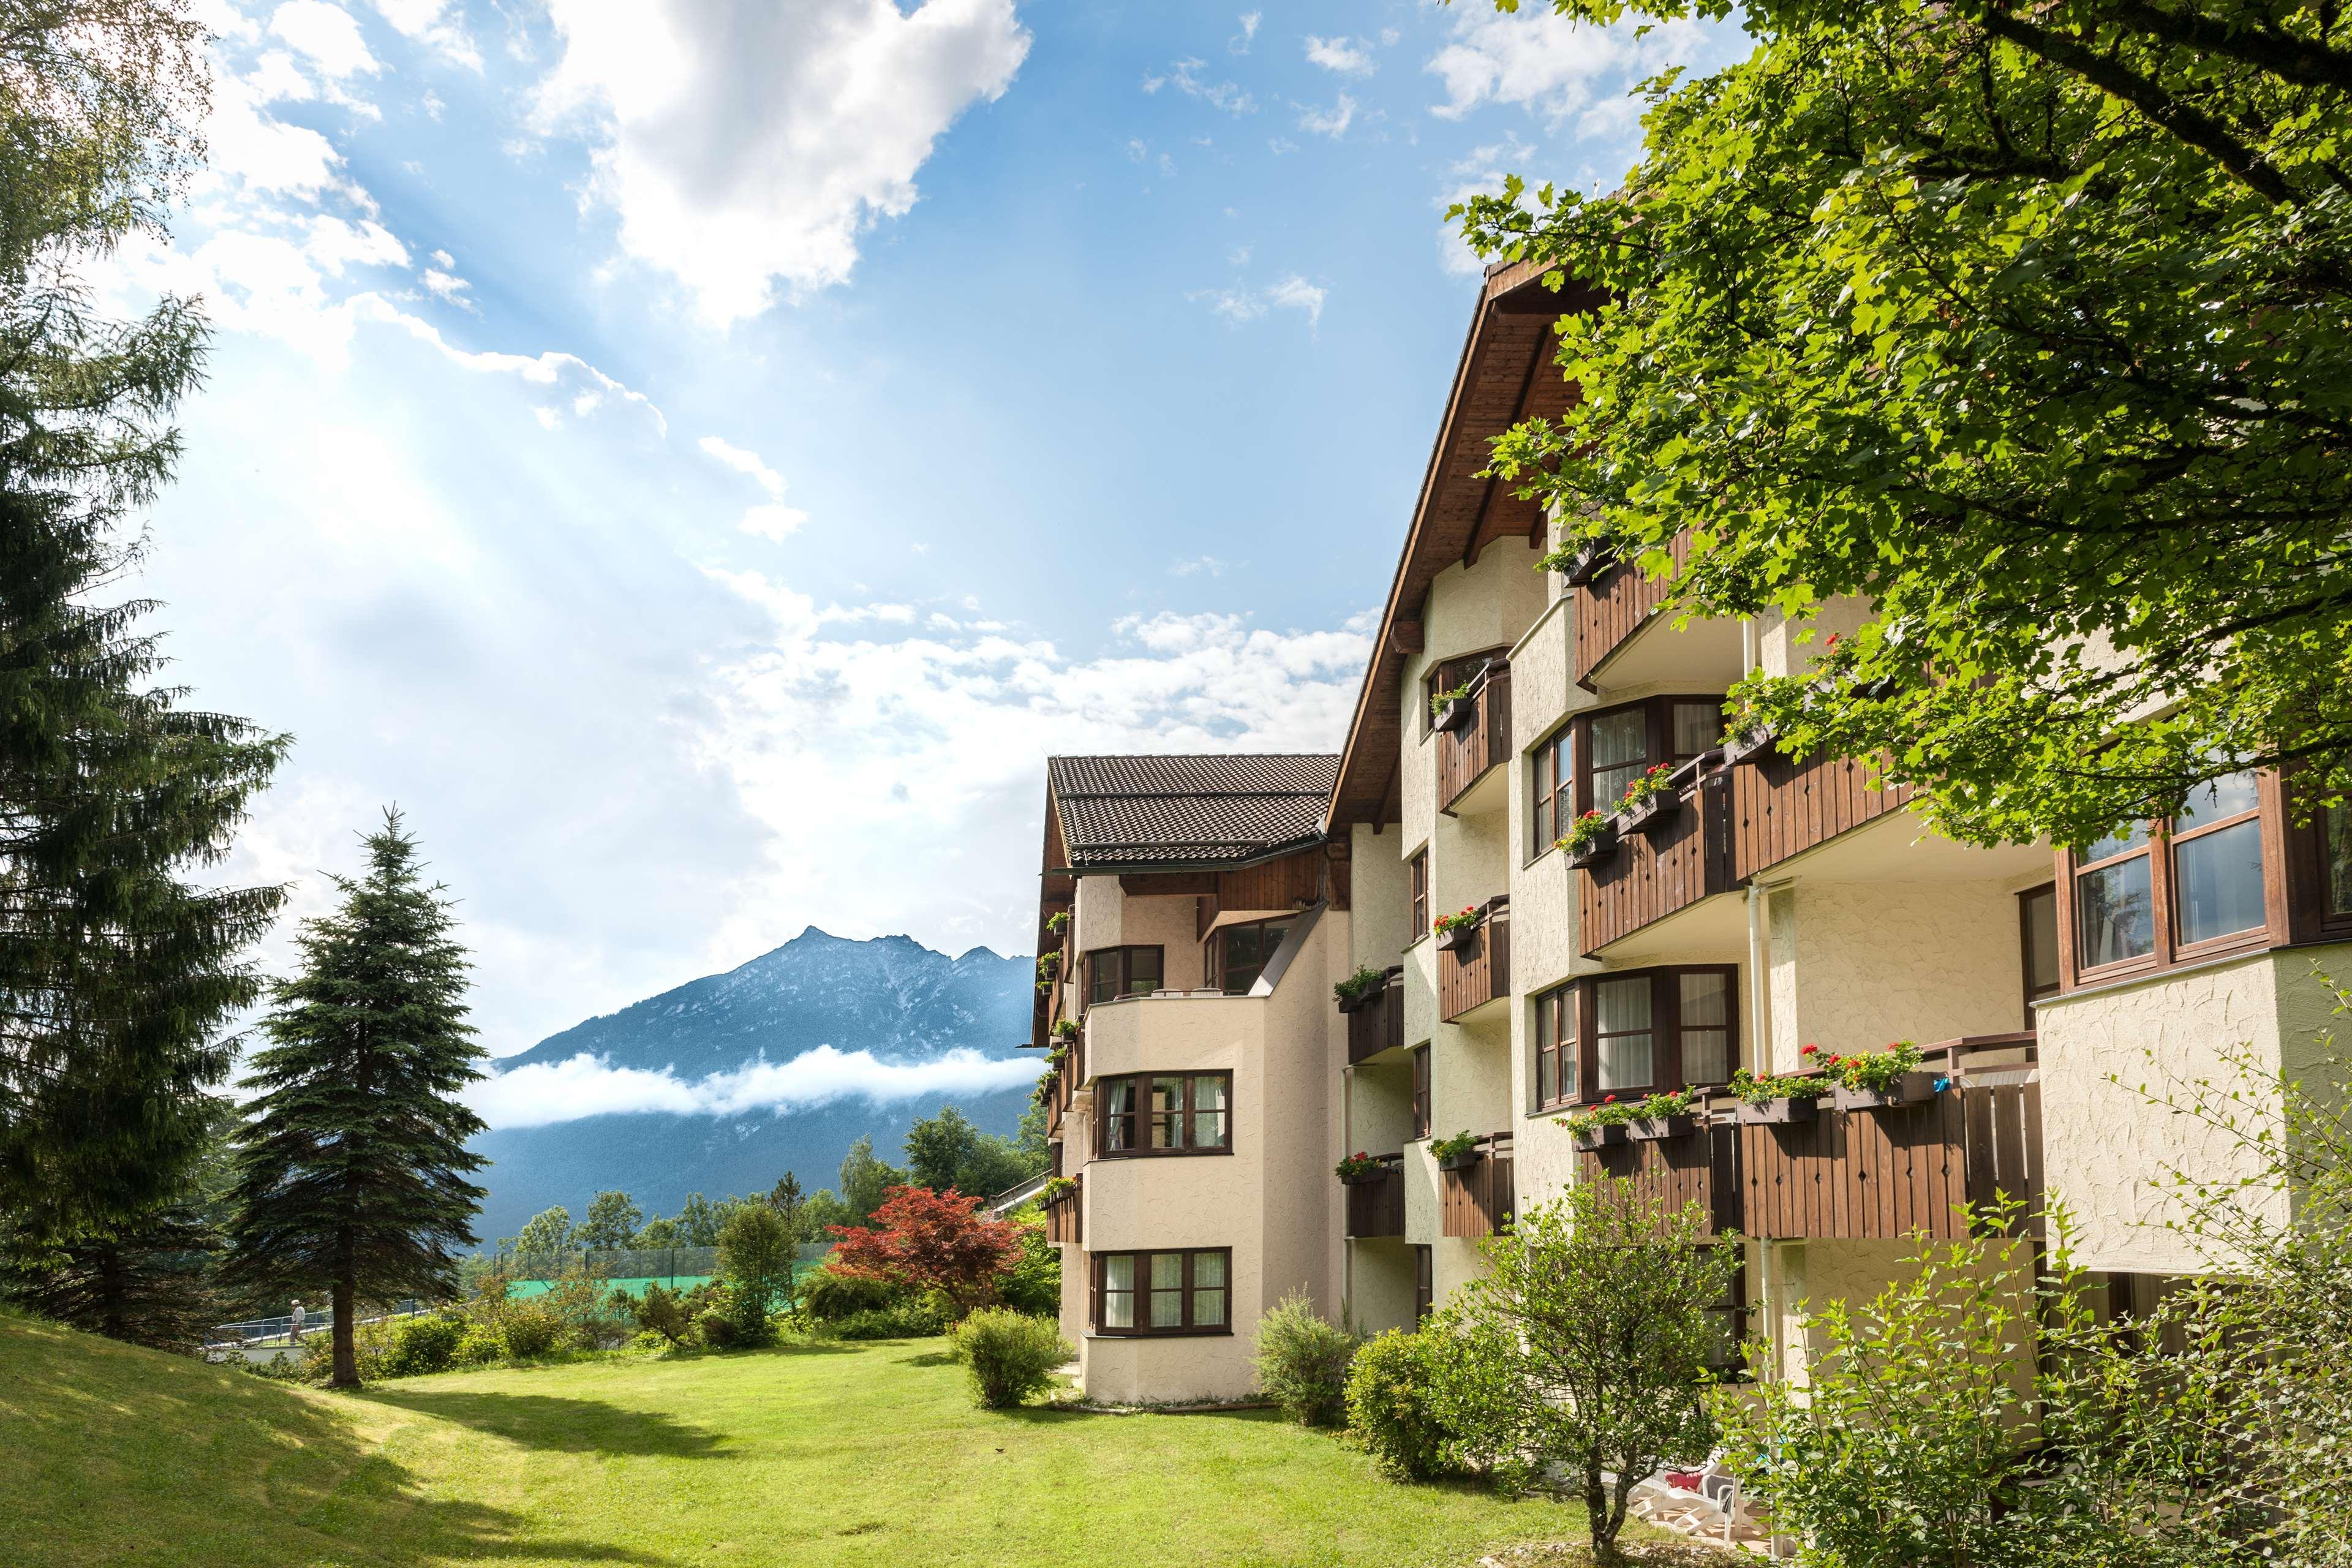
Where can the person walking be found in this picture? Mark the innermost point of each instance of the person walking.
(296, 1335)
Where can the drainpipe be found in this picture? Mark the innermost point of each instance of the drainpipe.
(1760, 1035)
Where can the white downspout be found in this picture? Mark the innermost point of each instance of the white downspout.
(1759, 1036)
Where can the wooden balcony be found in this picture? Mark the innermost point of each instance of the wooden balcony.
(1782, 807)
(1476, 974)
(1376, 1207)
(1614, 604)
(1377, 1023)
(1672, 1174)
(1478, 752)
(1663, 867)
(1882, 1174)
(1476, 1201)
(1064, 1087)
(1062, 1216)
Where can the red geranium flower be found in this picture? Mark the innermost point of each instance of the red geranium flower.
(1807, 1050)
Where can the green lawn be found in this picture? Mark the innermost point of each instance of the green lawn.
(806, 1455)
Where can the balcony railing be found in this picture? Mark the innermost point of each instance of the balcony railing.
(1477, 746)
(1680, 854)
(1375, 1205)
(1782, 807)
(1476, 1200)
(1617, 601)
(1475, 971)
(1701, 1167)
(1376, 1024)
(1064, 1086)
(1062, 1216)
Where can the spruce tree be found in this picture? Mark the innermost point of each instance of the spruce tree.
(117, 975)
(352, 1160)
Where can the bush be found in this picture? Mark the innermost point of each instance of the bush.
(1010, 1355)
(902, 1320)
(1034, 1286)
(423, 1344)
(527, 1330)
(480, 1346)
(715, 1327)
(1302, 1362)
(1389, 1411)
(828, 1295)
(664, 1313)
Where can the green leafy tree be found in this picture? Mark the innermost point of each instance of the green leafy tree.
(2022, 327)
(118, 975)
(1586, 1343)
(612, 1223)
(657, 1232)
(698, 1220)
(947, 1153)
(352, 1163)
(822, 1211)
(865, 1180)
(547, 1235)
(755, 1259)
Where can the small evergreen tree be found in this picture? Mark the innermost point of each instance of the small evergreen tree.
(352, 1161)
(755, 1259)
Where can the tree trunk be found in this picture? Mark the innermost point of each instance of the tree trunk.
(346, 1360)
(1597, 1517)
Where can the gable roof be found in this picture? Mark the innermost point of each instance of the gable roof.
(1180, 812)
(1506, 376)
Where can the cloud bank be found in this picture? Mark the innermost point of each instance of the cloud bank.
(541, 1093)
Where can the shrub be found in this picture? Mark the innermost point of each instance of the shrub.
(527, 1330)
(911, 1320)
(755, 1259)
(1302, 1361)
(663, 1312)
(1010, 1355)
(720, 1329)
(480, 1346)
(1034, 1286)
(1389, 1405)
(933, 1241)
(828, 1294)
(423, 1344)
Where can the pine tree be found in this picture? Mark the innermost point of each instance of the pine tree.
(116, 976)
(352, 1160)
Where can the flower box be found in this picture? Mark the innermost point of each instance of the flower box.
(1588, 1139)
(1356, 1003)
(1462, 1162)
(1740, 748)
(1457, 937)
(1360, 1178)
(1660, 808)
(1780, 1113)
(1658, 1129)
(1909, 1088)
(1594, 853)
(1455, 714)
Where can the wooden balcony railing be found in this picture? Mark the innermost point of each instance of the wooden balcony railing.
(1664, 867)
(1376, 1207)
(1882, 1174)
(1671, 1173)
(1782, 807)
(1377, 1023)
(1064, 1086)
(1469, 752)
(1477, 1200)
(1062, 1216)
(1478, 971)
(1617, 602)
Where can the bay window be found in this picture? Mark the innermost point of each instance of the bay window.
(1634, 1033)
(1419, 1055)
(1417, 873)
(2115, 899)
(2217, 861)
(1238, 953)
(1619, 745)
(1123, 972)
(1556, 1046)
(1554, 768)
(1187, 1292)
(1166, 1113)
(1623, 1038)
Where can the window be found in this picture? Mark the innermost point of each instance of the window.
(1167, 1113)
(2037, 928)
(1728, 1315)
(2115, 903)
(1424, 1284)
(1621, 753)
(1705, 1023)
(1448, 676)
(1417, 868)
(1122, 972)
(1624, 1040)
(1420, 1091)
(2335, 857)
(2217, 861)
(1623, 743)
(1555, 790)
(1171, 1293)
(1237, 954)
(1556, 1046)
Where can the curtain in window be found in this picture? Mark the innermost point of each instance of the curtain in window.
(1697, 727)
(1620, 752)
(1624, 1034)
(1167, 1289)
(2218, 875)
(1119, 1114)
(1119, 1290)
(1208, 1289)
(1167, 1113)
(1209, 1111)
(2114, 905)
(1706, 1028)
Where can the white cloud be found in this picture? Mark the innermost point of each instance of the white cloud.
(538, 1093)
(772, 521)
(1553, 66)
(428, 22)
(1349, 58)
(1240, 42)
(326, 36)
(447, 286)
(1279, 145)
(1290, 293)
(1207, 564)
(1483, 170)
(746, 142)
(1332, 121)
(1184, 75)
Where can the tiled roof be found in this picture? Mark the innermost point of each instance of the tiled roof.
(1188, 810)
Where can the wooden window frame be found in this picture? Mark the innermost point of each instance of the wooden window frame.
(1666, 1029)
(2034, 994)
(1098, 1269)
(1566, 1047)
(1462, 667)
(1424, 1282)
(1212, 963)
(1418, 1059)
(1657, 741)
(1550, 808)
(1144, 1116)
(1417, 878)
(1126, 952)
(1736, 1366)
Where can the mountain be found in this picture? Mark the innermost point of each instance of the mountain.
(891, 997)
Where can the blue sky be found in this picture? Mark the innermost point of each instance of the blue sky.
(699, 457)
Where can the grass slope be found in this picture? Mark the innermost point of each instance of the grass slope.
(806, 1455)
